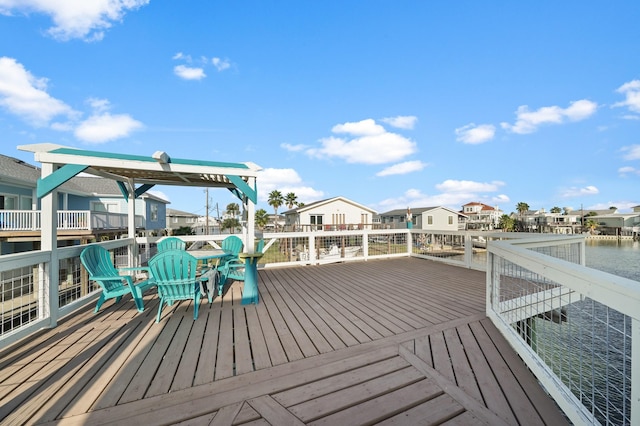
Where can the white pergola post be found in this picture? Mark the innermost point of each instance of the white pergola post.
(131, 216)
(48, 280)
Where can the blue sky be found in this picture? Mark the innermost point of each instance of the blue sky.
(388, 103)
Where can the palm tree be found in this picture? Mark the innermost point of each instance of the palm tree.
(261, 218)
(522, 207)
(506, 223)
(233, 209)
(275, 200)
(291, 200)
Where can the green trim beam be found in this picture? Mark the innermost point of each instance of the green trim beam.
(50, 183)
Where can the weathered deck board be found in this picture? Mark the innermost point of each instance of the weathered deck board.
(401, 341)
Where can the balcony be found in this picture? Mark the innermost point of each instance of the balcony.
(25, 223)
(413, 324)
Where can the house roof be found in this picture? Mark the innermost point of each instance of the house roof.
(316, 204)
(174, 212)
(419, 210)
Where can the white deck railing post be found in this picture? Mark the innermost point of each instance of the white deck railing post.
(635, 371)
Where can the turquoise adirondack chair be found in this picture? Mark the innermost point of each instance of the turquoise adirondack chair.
(174, 272)
(97, 261)
(171, 243)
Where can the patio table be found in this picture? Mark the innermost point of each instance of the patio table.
(210, 278)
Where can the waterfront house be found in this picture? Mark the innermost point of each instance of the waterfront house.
(337, 213)
(436, 218)
(89, 208)
(177, 219)
(481, 216)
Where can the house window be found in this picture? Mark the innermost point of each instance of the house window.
(98, 206)
(450, 220)
(154, 212)
(25, 203)
(429, 220)
(316, 219)
(8, 202)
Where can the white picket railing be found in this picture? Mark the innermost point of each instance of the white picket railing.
(577, 329)
(30, 220)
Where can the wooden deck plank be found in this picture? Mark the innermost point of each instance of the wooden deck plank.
(492, 395)
(465, 378)
(275, 349)
(305, 304)
(337, 401)
(205, 371)
(285, 336)
(241, 344)
(320, 344)
(295, 327)
(188, 362)
(382, 406)
(339, 323)
(224, 360)
(435, 411)
(259, 348)
(336, 382)
(137, 388)
(441, 357)
(518, 402)
(272, 412)
(544, 405)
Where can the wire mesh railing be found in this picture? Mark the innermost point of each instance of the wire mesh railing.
(566, 323)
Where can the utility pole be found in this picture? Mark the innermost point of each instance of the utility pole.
(207, 214)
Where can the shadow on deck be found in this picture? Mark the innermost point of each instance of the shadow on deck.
(401, 341)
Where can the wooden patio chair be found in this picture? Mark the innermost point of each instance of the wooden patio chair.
(171, 243)
(174, 272)
(97, 261)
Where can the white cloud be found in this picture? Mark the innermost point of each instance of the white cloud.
(407, 122)
(293, 148)
(632, 152)
(403, 168)
(102, 126)
(285, 181)
(451, 185)
(189, 73)
(83, 19)
(26, 96)
(372, 144)
(221, 64)
(529, 121)
(631, 90)
(473, 134)
(366, 127)
(624, 171)
(454, 194)
(579, 192)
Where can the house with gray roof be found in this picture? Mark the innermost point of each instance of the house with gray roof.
(89, 208)
(436, 218)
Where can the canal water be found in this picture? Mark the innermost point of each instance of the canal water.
(599, 374)
(618, 258)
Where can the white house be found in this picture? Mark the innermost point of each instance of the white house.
(430, 218)
(336, 213)
(481, 216)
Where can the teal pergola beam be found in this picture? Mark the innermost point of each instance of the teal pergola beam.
(138, 192)
(242, 188)
(49, 183)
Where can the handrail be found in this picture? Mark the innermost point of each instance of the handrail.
(30, 220)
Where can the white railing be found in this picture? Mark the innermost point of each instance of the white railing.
(578, 329)
(30, 220)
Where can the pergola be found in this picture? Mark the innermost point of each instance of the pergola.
(135, 175)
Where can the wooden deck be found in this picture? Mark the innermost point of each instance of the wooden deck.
(401, 341)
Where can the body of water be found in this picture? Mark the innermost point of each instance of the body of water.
(619, 258)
